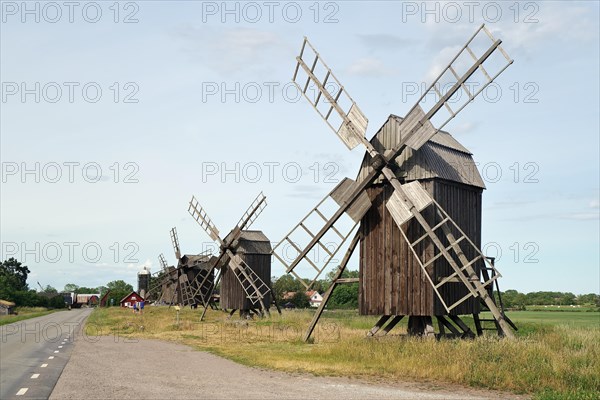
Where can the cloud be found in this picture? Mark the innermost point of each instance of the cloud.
(594, 203)
(548, 24)
(231, 50)
(369, 66)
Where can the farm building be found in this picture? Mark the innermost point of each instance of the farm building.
(314, 298)
(129, 300)
(104, 299)
(7, 307)
(391, 281)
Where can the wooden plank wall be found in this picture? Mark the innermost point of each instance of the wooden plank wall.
(232, 293)
(463, 204)
(391, 281)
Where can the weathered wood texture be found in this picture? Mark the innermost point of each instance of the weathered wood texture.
(392, 281)
(255, 249)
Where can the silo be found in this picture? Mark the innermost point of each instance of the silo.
(143, 282)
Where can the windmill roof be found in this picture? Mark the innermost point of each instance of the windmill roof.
(202, 261)
(253, 242)
(440, 157)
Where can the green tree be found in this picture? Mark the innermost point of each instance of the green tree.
(70, 287)
(300, 299)
(118, 290)
(15, 274)
(284, 284)
(344, 296)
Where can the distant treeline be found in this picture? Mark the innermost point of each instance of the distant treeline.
(515, 299)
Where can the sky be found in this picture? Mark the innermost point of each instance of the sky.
(114, 114)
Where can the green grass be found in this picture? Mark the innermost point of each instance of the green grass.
(25, 313)
(554, 356)
(574, 318)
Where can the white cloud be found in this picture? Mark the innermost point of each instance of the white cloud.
(231, 50)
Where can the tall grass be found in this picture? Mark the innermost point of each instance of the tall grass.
(24, 313)
(550, 361)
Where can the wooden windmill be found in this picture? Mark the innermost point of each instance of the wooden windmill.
(244, 262)
(420, 254)
(192, 268)
(164, 284)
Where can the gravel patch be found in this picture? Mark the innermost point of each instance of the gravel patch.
(113, 368)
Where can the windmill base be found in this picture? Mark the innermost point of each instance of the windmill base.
(449, 326)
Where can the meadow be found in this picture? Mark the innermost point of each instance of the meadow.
(556, 354)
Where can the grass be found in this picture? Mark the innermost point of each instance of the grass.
(556, 357)
(25, 313)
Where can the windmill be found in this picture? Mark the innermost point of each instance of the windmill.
(162, 290)
(192, 268)
(244, 263)
(415, 260)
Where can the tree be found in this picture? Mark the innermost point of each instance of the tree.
(284, 284)
(118, 290)
(300, 299)
(71, 287)
(49, 290)
(344, 296)
(15, 274)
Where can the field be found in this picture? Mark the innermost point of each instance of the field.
(556, 355)
(24, 313)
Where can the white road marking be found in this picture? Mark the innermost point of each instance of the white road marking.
(56, 351)
(44, 365)
(22, 391)
(35, 376)
(60, 347)
(51, 358)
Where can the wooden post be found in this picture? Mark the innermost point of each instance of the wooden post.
(334, 283)
(392, 324)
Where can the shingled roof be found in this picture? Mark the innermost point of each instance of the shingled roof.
(441, 157)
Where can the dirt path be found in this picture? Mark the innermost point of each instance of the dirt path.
(105, 369)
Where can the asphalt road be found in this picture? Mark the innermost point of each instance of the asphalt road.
(34, 352)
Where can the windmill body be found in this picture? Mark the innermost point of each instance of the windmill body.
(391, 282)
(192, 268)
(254, 248)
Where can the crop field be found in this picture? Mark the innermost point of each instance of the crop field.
(556, 355)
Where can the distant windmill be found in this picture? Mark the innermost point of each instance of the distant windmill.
(192, 268)
(416, 260)
(244, 262)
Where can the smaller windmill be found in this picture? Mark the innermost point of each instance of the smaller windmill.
(191, 268)
(243, 264)
(162, 288)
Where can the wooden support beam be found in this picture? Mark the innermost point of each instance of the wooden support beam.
(378, 325)
(392, 324)
(467, 331)
(448, 325)
(334, 283)
(440, 326)
(478, 327)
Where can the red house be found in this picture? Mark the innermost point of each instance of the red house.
(129, 300)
